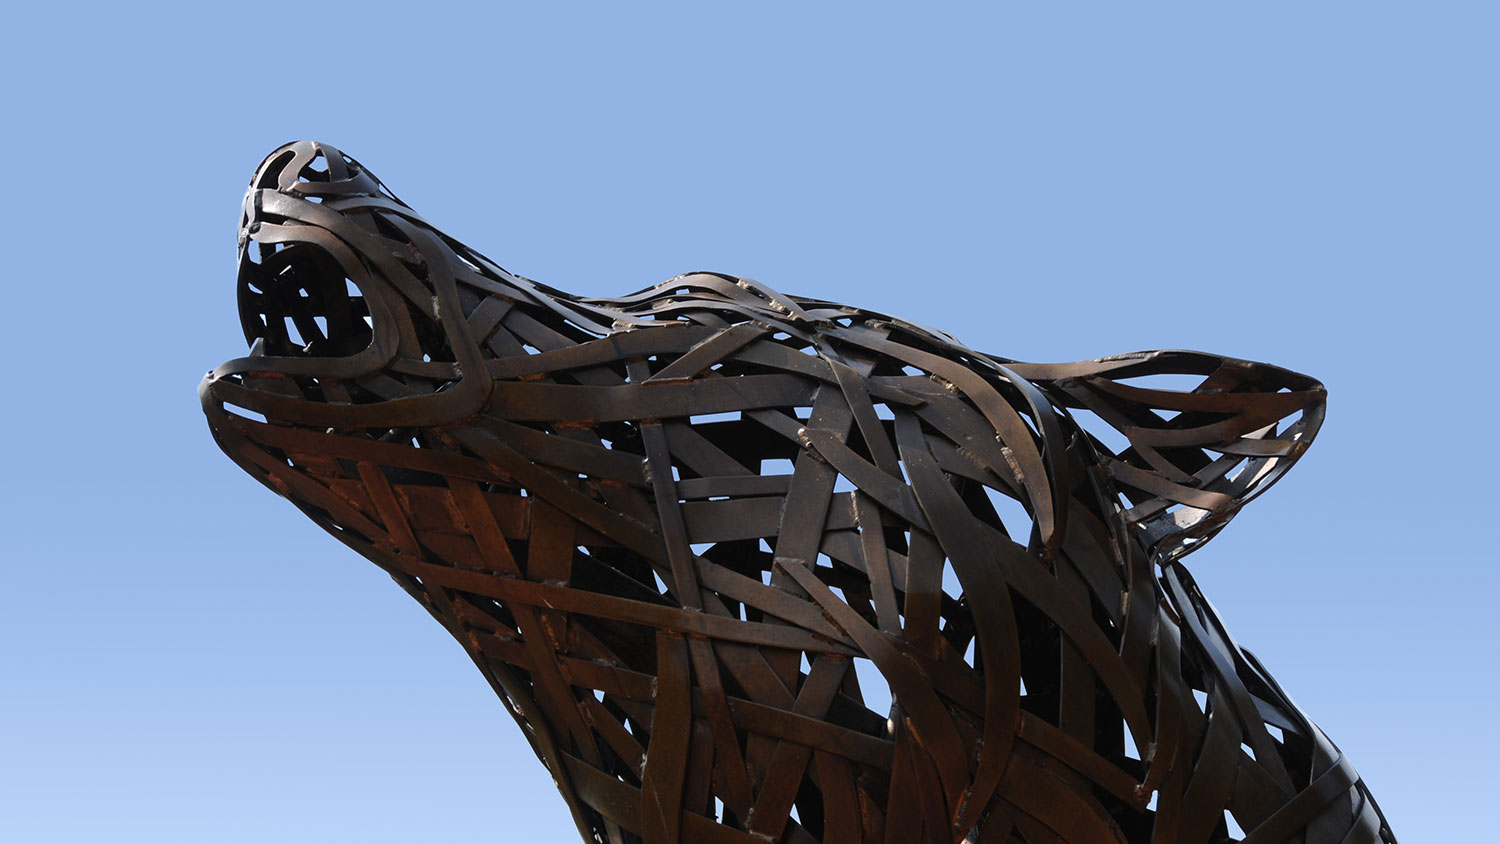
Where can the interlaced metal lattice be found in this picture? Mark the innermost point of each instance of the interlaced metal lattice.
(696, 538)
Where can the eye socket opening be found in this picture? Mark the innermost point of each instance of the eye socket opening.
(297, 299)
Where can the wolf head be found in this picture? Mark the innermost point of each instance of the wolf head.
(670, 521)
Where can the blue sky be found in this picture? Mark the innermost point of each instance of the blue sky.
(183, 657)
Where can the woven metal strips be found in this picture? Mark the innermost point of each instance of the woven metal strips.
(696, 538)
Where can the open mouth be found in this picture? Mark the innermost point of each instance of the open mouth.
(295, 298)
(340, 304)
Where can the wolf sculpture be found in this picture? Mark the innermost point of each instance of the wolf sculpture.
(691, 536)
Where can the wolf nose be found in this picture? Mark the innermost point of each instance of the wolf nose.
(304, 170)
(313, 168)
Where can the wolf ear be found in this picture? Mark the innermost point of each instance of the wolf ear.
(1186, 437)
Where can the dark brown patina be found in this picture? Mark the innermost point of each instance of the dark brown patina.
(668, 526)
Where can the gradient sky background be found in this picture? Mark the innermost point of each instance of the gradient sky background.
(185, 658)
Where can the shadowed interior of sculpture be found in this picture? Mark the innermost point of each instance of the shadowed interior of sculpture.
(747, 566)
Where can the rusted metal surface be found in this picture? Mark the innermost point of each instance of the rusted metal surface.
(667, 528)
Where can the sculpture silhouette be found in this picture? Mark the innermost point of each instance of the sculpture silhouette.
(668, 526)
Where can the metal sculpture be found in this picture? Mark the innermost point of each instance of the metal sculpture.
(668, 527)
